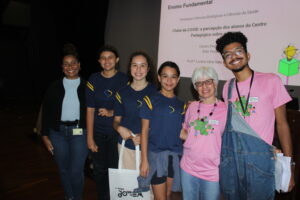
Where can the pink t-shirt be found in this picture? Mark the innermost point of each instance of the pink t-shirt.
(202, 148)
(267, 93)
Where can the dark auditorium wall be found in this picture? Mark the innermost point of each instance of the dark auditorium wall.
(56, 22)
(32, 34)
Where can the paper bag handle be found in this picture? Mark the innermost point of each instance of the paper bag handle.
(137, 155)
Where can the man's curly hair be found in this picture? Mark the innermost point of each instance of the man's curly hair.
(229, 38)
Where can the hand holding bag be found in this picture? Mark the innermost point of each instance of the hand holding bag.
(282, 172)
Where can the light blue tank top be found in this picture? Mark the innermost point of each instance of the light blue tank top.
(70, 105)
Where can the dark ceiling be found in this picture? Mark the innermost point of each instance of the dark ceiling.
(31, 55)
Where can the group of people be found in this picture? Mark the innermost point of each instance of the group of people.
(205, 149)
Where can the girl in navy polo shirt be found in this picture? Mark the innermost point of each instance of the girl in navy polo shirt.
(162, 115)
(129, 100)
(102, 139)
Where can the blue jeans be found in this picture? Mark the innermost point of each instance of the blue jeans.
(194, 188)
(70, 152)
(247, 162)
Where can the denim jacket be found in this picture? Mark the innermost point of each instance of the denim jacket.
(158, 162)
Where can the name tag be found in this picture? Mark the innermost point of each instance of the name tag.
(253, 99)
(213, 122)
(77, 131)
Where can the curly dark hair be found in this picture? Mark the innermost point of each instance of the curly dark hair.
(70, 49)
(108, 48)
(229, 38)
(151, 75)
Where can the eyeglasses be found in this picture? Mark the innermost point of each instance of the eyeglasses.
(227, 55)
(208, 82)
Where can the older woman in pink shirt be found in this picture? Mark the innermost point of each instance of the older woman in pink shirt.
(202, 131)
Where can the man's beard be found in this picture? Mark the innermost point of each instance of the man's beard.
(240, 69)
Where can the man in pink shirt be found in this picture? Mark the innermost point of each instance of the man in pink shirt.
(255, 101)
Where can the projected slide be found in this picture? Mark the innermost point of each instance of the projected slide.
(189, 29)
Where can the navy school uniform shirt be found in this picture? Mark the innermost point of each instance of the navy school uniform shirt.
(128, 104)
(166, 116)
(100, 93)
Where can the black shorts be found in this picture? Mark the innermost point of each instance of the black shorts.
(159, 180)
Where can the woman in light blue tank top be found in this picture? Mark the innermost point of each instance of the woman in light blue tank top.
(63, 125)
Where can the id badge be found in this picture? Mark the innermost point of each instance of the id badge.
(213, 122)
(253, 99)
(77, 131)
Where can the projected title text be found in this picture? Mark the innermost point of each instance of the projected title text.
(188, 5)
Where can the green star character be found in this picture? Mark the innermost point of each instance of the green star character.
(239, 109)
(201, 125)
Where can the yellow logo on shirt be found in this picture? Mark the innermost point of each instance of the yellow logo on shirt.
(172, 109)
(108, 93)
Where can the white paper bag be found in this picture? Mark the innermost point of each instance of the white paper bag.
(282, 172)
(122, 182)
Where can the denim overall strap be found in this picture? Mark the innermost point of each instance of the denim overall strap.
(247, 165)
(229, 111)
(230, 88)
